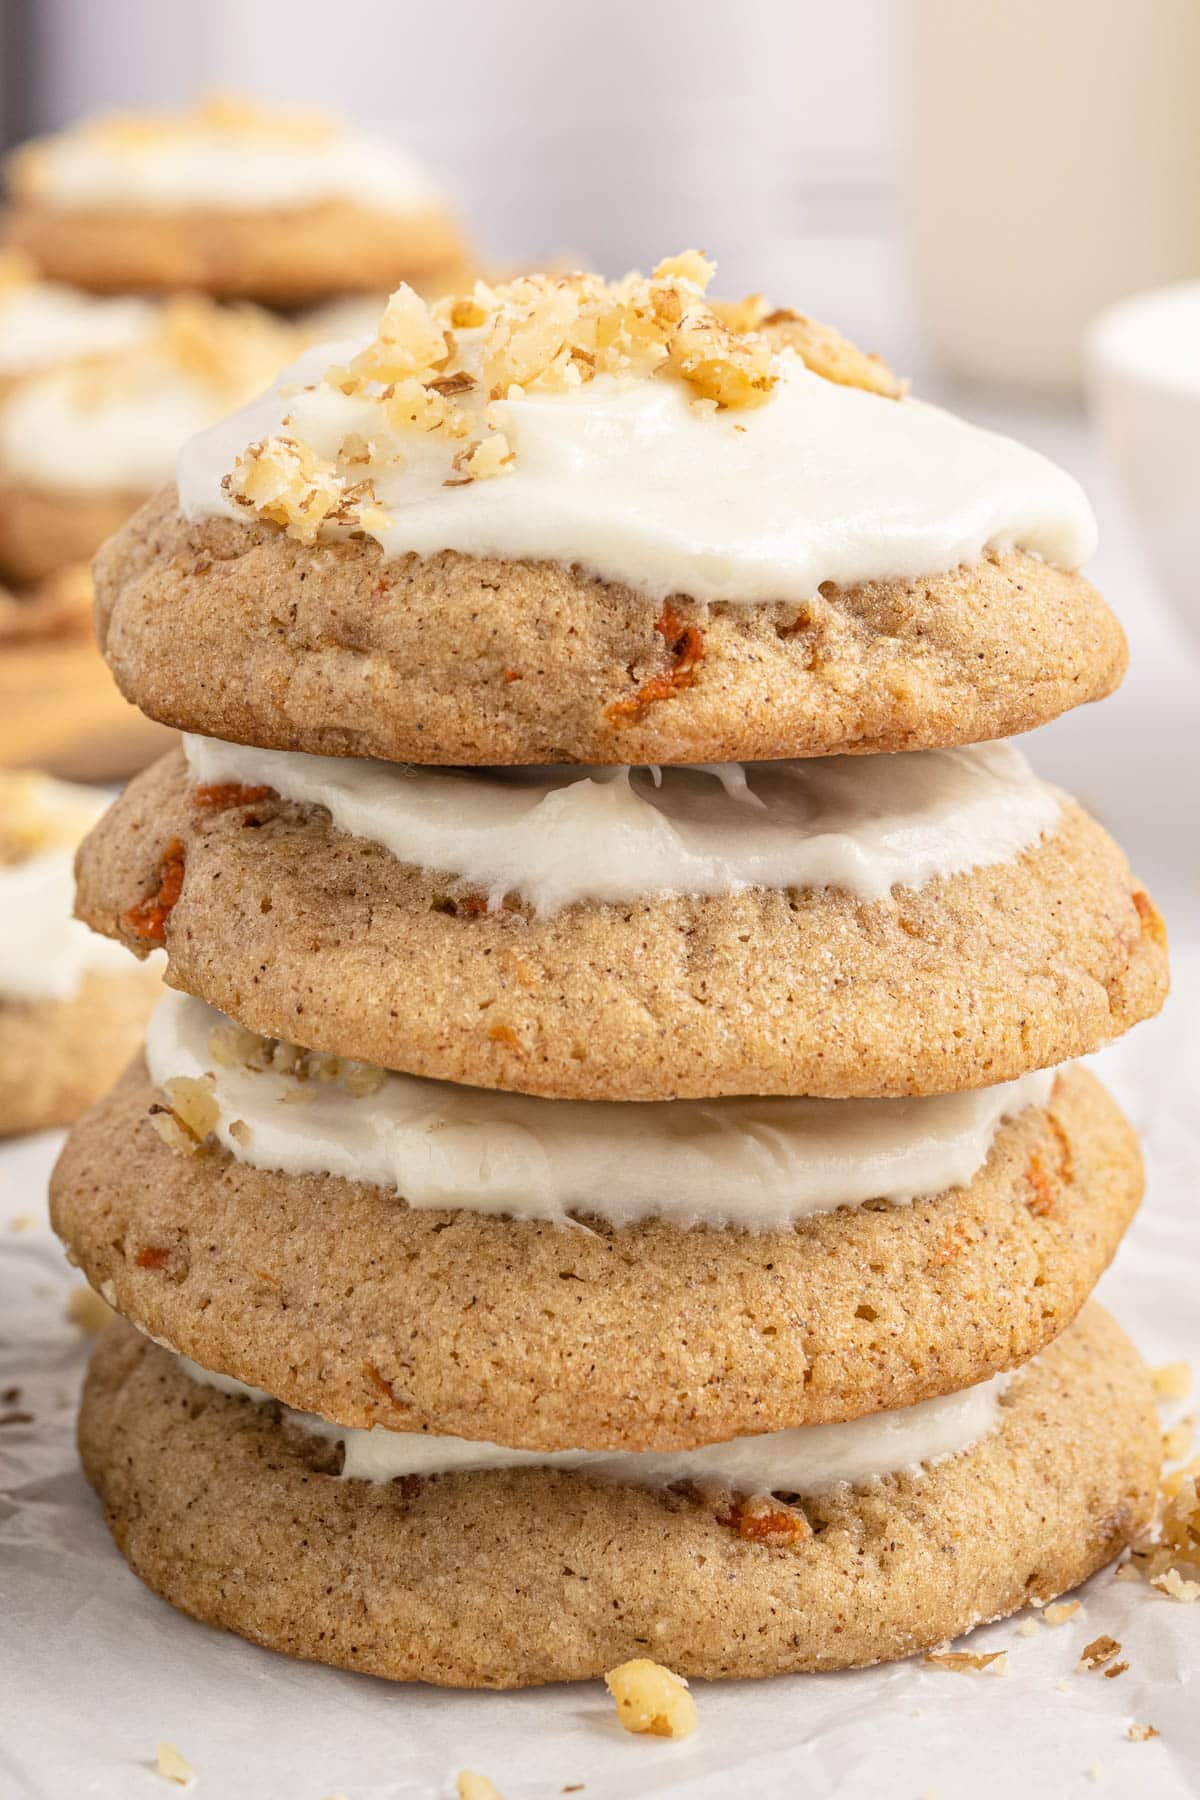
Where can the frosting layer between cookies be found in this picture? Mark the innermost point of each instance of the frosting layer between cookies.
(554, 837)
(810, 1459)
(44, 951)
(757, 1164)
(629, 480)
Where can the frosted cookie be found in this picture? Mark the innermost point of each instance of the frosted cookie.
(60, 710)
(886, 926)
(744, 1266)
(502, 1576)
(72, 1005)
(229, 198)
(86, 438)
(564, 521)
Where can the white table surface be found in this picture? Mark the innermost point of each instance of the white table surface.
(94, 1670)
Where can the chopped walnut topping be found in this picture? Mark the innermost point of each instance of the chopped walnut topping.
(192, 1115)
(433, 374)
(826, 352)
(232, 1046)
(173, 1767)
(286, 482)
(651, 1699)
(1139, 1734)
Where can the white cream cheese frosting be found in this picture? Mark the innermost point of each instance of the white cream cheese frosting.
(57, 432)
(559, 836)
(42, 322)
(44, 951)
(811, 1459)
(116, 419)
(206, 160)
(755, 1164)
(630, 480)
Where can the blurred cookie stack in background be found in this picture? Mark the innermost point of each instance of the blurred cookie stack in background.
(142, 253)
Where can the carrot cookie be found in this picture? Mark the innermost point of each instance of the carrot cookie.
(84, 440)
(867, 926)
(467, 1564)
(231, 199)
(612, 1276)
(72, 1006)
(60, 710)
(560, 520)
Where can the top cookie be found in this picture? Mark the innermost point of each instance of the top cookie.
(563, 520)
(229, 198)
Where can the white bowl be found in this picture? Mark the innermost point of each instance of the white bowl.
(1143, 362)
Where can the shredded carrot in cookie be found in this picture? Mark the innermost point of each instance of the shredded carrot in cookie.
(1152, 920)
(686, 644)
(762, 1520)
(1041, 1200)
(219, 796)
(148, 918)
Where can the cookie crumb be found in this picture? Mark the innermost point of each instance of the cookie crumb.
(88, 1310)
(1140, 1734)
(173, 1767)
(651, 1699)
(24, 1221)
(1060, 1612)
(1115, 1669)
(471, 1786)
(1029, 1628)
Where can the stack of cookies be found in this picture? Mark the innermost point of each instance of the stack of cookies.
(136, 244)
(612, 1179)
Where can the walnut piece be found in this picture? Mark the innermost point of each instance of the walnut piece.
(471, 1786)
(651, 1699)
(173, 1767)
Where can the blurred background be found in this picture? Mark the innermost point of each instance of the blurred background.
(964, 187)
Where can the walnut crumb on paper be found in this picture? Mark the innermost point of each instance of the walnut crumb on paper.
(471, 1786)
(651, 1699)
(1140, 1734)
(173, 1767)
(966, 1662)
(1098, 1652)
